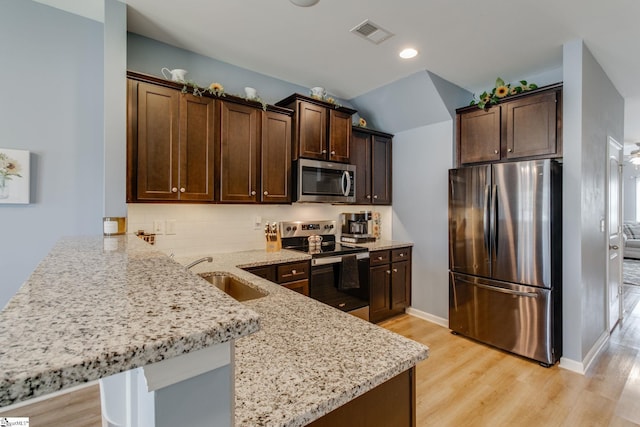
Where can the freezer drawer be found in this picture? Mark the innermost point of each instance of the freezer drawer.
(515, 318)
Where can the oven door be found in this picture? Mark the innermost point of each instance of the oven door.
(319, 181)
(324, 284)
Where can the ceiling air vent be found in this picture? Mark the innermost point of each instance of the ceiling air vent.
(372, 32)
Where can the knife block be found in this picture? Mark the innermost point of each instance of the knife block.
(276, 244)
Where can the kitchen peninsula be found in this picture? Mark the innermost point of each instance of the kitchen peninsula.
(91, 310)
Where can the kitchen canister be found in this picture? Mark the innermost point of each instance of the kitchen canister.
(114, 225)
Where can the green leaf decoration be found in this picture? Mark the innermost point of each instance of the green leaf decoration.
(499, 82)
(486, 99)
(523, 82)
(533, 86)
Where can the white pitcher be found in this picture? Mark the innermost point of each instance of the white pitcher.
(177, 75)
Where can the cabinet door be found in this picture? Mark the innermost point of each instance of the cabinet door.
(239, 149)
(531, 126)
(361, 158)
(196, 147)
(276, 158)
(400, 285)
(157, 144)
(479, 135)
(379, 282)
(312, 131)
(266, 272)
(381, 170)
(339, 136)
(300, 286)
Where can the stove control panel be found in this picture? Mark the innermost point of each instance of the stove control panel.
(307, 228)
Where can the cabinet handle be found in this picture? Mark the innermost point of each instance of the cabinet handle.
(395, 270)
(174, 190)
(333, 153)
(388, 271)
(182, 190)
(324, 151)
(379, 258)
(253, 193)
(401, 254)
(375, 197)
(509, 150)
(294, 272)
(495, 151)
(368, 196)
(266, 193)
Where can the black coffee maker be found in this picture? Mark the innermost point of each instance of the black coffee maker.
(357, 227)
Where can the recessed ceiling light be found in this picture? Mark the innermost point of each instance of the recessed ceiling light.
(304, 3)
(408, 53)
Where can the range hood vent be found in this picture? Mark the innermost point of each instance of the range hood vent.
(372, 32)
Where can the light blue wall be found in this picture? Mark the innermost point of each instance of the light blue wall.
(149, 56)
(52, 105)
(593, 110)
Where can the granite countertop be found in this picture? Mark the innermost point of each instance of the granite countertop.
(380, 245)
(308, 358)
(98, 306)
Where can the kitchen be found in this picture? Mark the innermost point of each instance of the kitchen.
(60, 187)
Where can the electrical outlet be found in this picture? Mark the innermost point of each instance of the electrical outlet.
(257, 223)
(158, 227)
(171, 226)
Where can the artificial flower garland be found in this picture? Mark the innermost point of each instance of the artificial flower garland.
(500, 91)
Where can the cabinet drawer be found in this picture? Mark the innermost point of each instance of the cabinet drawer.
(379, 257)
(402, 254)
(266, 272)
(300, 286)
(292, 272)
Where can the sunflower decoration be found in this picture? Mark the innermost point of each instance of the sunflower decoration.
(362, 122)
(216, 89)
(500, 91)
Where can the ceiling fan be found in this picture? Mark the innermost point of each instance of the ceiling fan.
(634, 156)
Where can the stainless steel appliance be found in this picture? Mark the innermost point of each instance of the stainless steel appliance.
(505, 256)
(339, 273)
(357, 227)
(327, 182)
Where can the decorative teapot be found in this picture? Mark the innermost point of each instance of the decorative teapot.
(176, 75)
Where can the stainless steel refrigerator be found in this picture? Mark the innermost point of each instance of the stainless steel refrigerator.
(505, 256)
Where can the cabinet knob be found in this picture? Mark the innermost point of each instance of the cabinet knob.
(401, 254)
(294, 272)
(379, 258)
(174, 190)
(375, 197)
(266, 193)
(324, 151)
(495, 151)
(253, 193)
(509, 150)
(182, 190)
(333, 153)
(388, 271)
(395, 270)
(368, 196)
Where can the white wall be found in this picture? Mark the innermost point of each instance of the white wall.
(51, 105)
(202, 228)
(630, 175)
(593, 111)
(421, 159)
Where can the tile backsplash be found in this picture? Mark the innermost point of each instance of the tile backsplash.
(201, 229)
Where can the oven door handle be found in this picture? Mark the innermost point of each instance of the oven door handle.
(335, 259)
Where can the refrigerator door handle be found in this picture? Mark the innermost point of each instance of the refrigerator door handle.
(494, 219)
(487, 217)
(507, 291)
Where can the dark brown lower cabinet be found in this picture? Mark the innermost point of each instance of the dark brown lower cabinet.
(392, 403)
(389, 283)
(291, 275)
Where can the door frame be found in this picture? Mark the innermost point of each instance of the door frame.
(612, 142)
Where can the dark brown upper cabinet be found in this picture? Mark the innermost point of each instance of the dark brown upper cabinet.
(371, 154)
(525, 126)
(322, 131)
(170, 145)
(276, 158)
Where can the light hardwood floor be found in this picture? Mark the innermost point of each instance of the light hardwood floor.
(464, 383)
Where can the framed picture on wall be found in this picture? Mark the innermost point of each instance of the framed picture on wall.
(14, 176)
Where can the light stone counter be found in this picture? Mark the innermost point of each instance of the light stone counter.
(380, 245)
(308, 358)
(95, 307)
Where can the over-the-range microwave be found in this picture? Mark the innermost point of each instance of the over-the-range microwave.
(320, 181)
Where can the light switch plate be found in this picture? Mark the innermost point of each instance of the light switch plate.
(158, 227)
(171, 226)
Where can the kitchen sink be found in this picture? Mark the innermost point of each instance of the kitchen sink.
(233, 287)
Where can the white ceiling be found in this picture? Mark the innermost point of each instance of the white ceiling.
(467, 42)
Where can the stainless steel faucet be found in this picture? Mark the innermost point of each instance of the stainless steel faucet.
(198, 261)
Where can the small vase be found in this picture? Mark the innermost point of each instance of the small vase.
(4, 187)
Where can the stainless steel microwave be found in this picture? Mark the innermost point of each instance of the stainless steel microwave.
(328, 182)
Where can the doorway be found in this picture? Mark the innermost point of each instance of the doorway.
(613, 229)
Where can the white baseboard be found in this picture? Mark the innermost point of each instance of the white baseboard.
(582, 367)
(428, 317)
